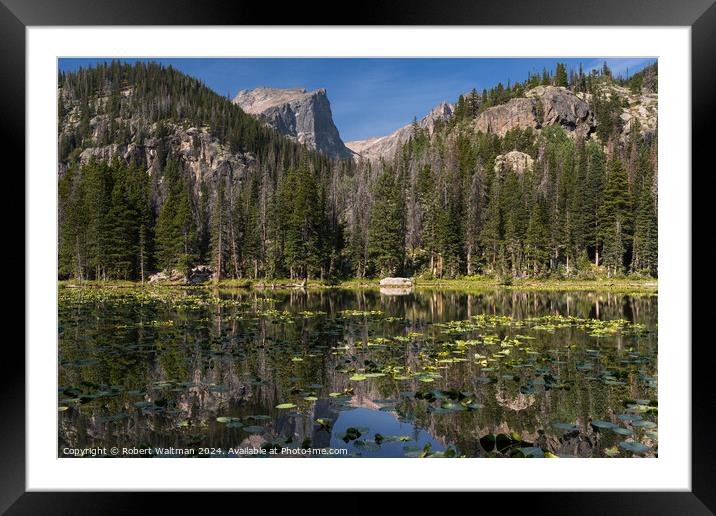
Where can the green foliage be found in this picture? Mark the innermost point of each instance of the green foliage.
(439, 209)
(386, 230)
(615, 215)
(560, 75)
(160, 95)
(305, 223)
(105, 216)
(176, 237)
(645, 253)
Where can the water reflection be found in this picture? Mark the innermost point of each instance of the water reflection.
(140, 371)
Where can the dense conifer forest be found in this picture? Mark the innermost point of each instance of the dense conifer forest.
(439, 209)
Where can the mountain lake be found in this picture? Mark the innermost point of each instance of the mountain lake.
(357, 372)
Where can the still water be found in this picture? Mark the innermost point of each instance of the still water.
(357, 372)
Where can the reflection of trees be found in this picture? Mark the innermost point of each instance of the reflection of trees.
(225, 360)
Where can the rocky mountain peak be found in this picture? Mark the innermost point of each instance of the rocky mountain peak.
(373, 149)
(440, 112)
(304, 116)
(260, 99)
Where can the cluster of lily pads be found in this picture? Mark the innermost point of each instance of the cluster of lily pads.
(439, 370)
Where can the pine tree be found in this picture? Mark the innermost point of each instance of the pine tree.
(125, 221)
(560, 75)
(249, 227)
(177, 242)
(72, 225)
(98, 201)
(491, 234)
(591, 199)
(645, 255)
(474, 217)
(537, 238)
(473, 104)
(515, 219)
(615, 218)
(305, 219)
(220, 239)
(386, 230)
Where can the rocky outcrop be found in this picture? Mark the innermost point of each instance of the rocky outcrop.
(303, 116)
(198, 274)
(563, 107)
(396, 282)
(640, 109)
(644, 111)
(517, 113)
(517, 161)
(541, 106)
(373, 149)
(202, 155)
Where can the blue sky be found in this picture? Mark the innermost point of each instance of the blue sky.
(372, 96)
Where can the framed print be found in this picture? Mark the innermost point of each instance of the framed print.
(425, 235)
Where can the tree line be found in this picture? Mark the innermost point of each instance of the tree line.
(440, 208)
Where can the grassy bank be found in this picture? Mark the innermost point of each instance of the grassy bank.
(482, 282)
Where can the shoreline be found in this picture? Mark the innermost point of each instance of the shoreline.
(449, 284)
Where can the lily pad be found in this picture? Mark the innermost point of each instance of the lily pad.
(597, 423)
(226, 419)
(634, 447)
(622, 431)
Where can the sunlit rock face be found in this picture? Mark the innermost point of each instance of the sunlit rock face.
(516, 114)
(304, 116)
(559, 106)
(540, 107)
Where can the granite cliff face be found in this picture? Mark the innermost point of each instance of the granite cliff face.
(517, 113)
(204, 158)
(559, 106)
(541, 106)
(300, 115)
(373, 149)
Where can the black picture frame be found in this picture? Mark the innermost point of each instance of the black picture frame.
(700, 15)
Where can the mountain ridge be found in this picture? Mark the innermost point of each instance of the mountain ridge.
(158, 171)
(385, 146)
